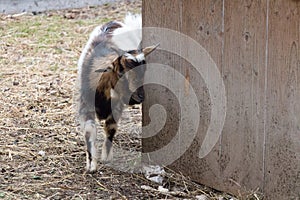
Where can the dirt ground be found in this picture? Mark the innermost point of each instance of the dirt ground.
(41, 148)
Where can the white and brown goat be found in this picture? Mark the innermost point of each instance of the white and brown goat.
(100, 70)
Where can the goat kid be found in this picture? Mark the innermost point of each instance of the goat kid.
(99, 94)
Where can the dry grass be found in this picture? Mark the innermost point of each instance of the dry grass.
(42, 151)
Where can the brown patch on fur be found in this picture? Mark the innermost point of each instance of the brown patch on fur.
(107, 81)
(124, 61)
(99, 63)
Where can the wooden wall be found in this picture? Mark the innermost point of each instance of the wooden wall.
(256, 46)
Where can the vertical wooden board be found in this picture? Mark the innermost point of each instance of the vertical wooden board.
(161, 14)
(157, 13)
(241, 159)
(202, 21)
(260, 140)
(282, 159)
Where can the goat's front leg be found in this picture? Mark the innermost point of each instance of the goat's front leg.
(90, 133)
(110, 128)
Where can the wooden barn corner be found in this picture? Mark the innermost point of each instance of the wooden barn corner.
(255, 45)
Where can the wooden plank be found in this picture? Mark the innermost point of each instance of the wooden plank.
(202, 21)
(244, 71)
(206, 29)
(158, 13)
(282, 159)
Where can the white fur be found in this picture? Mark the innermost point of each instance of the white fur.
(129, 56)
(91, 128)
(95, 33)
(129, 36)
(140, 57)
(113, 94)
(106, 156)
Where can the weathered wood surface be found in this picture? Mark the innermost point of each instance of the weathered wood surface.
(282, 155)
(256, 46)
(244, 76)
(167, 59)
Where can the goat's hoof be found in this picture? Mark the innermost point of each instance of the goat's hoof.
(105, 161)
(91, 167)
(91, 170)
(106, 157)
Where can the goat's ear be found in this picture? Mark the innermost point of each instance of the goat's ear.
(108, 69)
(148, 50)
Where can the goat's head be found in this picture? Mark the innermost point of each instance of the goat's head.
(130, 68)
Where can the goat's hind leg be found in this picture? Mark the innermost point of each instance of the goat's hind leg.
(90, 133)
(110, 128)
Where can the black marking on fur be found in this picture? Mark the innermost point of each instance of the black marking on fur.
(110, 120)
(102, 105)
(111, 133)
(110, 127)
(89, 145)
(89, 156)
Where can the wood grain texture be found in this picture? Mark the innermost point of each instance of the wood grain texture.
(282, 159)
(203, 23)
(154, 93)
(244, 71)
(256, 46)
